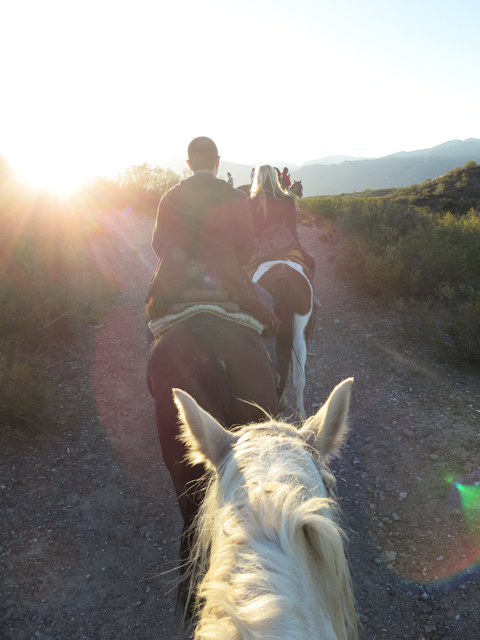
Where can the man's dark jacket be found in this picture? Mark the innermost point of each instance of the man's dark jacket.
(203, 236)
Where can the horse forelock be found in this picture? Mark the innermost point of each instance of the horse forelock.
(266, 521)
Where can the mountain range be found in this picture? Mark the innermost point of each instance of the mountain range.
(337, 174)
(400, 169)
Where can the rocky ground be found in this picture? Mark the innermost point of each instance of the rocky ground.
(89, 533)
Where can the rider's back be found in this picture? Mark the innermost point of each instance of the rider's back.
(202, 236)
(278, 211)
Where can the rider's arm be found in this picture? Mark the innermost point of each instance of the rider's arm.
(157, 229)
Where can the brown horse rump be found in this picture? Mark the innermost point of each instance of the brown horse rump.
(292, 256)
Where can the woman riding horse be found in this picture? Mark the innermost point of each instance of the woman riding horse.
(271, 205)
(285, 269)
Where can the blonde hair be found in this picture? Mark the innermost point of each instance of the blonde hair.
(265, 182)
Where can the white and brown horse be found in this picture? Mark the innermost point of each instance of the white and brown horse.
(292, 291)
(269, 560)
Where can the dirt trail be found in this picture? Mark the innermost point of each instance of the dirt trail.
(88, 544)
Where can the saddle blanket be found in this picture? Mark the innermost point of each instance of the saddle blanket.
(160, 325)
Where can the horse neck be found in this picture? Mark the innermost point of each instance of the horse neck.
(267, 554)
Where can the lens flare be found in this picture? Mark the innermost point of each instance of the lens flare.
(470, 503)
(434, 545)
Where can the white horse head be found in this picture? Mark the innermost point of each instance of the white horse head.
(269, 556)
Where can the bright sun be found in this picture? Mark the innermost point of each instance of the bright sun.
(48, 168)
(49, 175)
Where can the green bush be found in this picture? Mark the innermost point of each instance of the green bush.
(142, 186)
(49, 290)
(463, 326)
(397, 251)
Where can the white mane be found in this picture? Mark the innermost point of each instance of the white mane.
(269, 553)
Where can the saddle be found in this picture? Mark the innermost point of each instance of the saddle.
(202, 297)
(232, 299)
(227, 310)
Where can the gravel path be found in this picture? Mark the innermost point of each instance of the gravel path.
(89, 534)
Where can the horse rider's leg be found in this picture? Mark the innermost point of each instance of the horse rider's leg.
(150, 336)
(268, 301)
(299, 358)
(310, 262)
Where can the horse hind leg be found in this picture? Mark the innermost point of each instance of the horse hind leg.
(299, 358)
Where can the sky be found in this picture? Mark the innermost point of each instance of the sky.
(93, 87)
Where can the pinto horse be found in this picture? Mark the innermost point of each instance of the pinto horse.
(225, 367)
(292, 292)
(269, 560)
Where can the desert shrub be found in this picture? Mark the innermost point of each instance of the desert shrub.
(463, 325)
(49, 290)
(142, 186)
(470, 164)
(397, 251)
(323, 206)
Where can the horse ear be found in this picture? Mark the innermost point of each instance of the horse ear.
(327, 429)
(206, 440)
(301, 181)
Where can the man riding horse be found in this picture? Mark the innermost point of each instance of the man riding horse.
(202, 237)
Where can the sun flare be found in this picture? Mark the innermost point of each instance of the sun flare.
(50, 176)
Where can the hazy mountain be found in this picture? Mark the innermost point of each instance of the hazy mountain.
(240, 172)
(279, 164)
(396, 170)
(448, 149)
(333, 160)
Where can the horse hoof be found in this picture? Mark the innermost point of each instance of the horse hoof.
(300, 416)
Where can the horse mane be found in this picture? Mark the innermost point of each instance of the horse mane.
(266, 534)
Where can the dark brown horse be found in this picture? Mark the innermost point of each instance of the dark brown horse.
(292, 291)
(297, 188)
(225, 367)
(245, 188)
